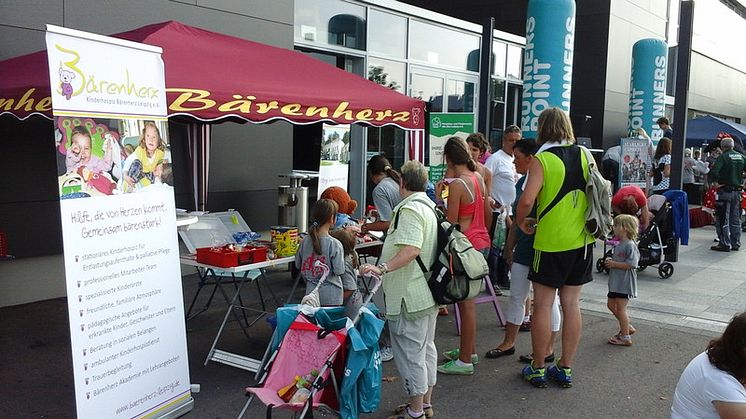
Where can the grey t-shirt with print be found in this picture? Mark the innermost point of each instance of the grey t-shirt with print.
(332, 255)
(624, 281)
(386, 197)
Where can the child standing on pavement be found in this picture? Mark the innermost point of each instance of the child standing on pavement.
(623, 276)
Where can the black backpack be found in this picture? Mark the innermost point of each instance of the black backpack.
(456, 264)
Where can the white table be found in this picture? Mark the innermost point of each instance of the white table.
(239, 276)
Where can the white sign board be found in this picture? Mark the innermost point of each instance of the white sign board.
(121, 258)
(335, 157)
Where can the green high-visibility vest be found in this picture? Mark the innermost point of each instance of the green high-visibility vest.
(561, 203)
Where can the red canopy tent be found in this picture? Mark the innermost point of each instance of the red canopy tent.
(214, 77)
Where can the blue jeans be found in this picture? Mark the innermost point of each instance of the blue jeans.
(728, 218)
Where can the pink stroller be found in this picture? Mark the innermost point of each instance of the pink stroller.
(306, 338)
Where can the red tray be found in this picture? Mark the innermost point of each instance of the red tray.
(227, 258)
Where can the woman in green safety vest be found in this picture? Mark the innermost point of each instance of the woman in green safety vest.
(563, 251)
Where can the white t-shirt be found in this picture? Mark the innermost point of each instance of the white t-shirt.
(700, 384)
(503, 177)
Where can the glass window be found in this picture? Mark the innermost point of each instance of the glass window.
(460, 96)
(441, 46)
(388, 141)
(499, 50)
(330, 22)
(429, 89)
(387, 73)
(515, 55)
(498, 90)
(388, 34)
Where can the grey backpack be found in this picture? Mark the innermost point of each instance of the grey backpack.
(456, 264)
(598, 218)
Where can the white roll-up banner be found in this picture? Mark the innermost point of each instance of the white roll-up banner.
(117, 206)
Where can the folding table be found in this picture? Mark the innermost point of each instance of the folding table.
(239, 277)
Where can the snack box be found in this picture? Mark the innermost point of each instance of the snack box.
(228, 257)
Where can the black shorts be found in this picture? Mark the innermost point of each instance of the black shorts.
(557, 269)
(617, 295)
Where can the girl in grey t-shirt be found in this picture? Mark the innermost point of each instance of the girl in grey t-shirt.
(623, 276)
(319, 248)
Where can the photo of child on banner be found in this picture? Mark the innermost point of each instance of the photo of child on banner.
(101, 156)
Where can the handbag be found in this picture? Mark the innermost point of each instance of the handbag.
(501, 231)
(708, 201)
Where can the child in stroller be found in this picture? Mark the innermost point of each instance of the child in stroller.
(654, 244)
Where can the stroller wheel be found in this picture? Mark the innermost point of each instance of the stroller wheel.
(600, 265)
(665, 270)
(641, 268)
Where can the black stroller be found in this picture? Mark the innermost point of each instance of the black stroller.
(657, 245)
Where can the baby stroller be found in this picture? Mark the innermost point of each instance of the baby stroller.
(341, 350)
(656, 242)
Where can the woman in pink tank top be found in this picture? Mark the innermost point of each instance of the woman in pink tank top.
(468, 207)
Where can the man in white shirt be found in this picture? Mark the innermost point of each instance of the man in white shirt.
(503, 171)
(503, 192)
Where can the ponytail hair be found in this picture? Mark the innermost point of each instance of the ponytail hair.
(457, 153)
(348, 244)
(379, 164)
(322, 212)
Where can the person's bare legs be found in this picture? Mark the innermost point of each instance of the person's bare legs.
(552, 340)
(541, 329)
(572, 322)
(467, 344)
(428, 397)
(611, 304)
(622, 316)
(511, 334)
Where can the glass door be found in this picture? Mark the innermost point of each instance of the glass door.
(444, 91)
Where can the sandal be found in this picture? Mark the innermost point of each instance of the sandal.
(632, 331)
(401, 411)
(620, 341)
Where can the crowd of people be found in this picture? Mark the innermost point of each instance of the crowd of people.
(538, 188)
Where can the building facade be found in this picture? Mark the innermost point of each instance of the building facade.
(430, 49)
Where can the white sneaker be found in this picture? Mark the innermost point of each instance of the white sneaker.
(386, 354)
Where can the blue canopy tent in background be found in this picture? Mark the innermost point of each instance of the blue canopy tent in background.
(704, 130)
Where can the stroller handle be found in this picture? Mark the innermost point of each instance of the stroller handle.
(369, 297)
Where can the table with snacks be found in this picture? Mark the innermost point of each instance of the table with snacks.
(220, 264)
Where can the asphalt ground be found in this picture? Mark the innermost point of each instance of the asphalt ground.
(610, 381)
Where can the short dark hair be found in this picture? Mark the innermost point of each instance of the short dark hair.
(477, 140)
(526, 146)
(663, 120)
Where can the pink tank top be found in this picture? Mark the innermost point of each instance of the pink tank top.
(477, 231)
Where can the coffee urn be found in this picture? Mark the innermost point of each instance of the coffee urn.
(292, 202)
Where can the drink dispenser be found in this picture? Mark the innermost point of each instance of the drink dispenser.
(293, 202)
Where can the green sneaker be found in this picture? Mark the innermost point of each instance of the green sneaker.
(452, 368)
(453, 355)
